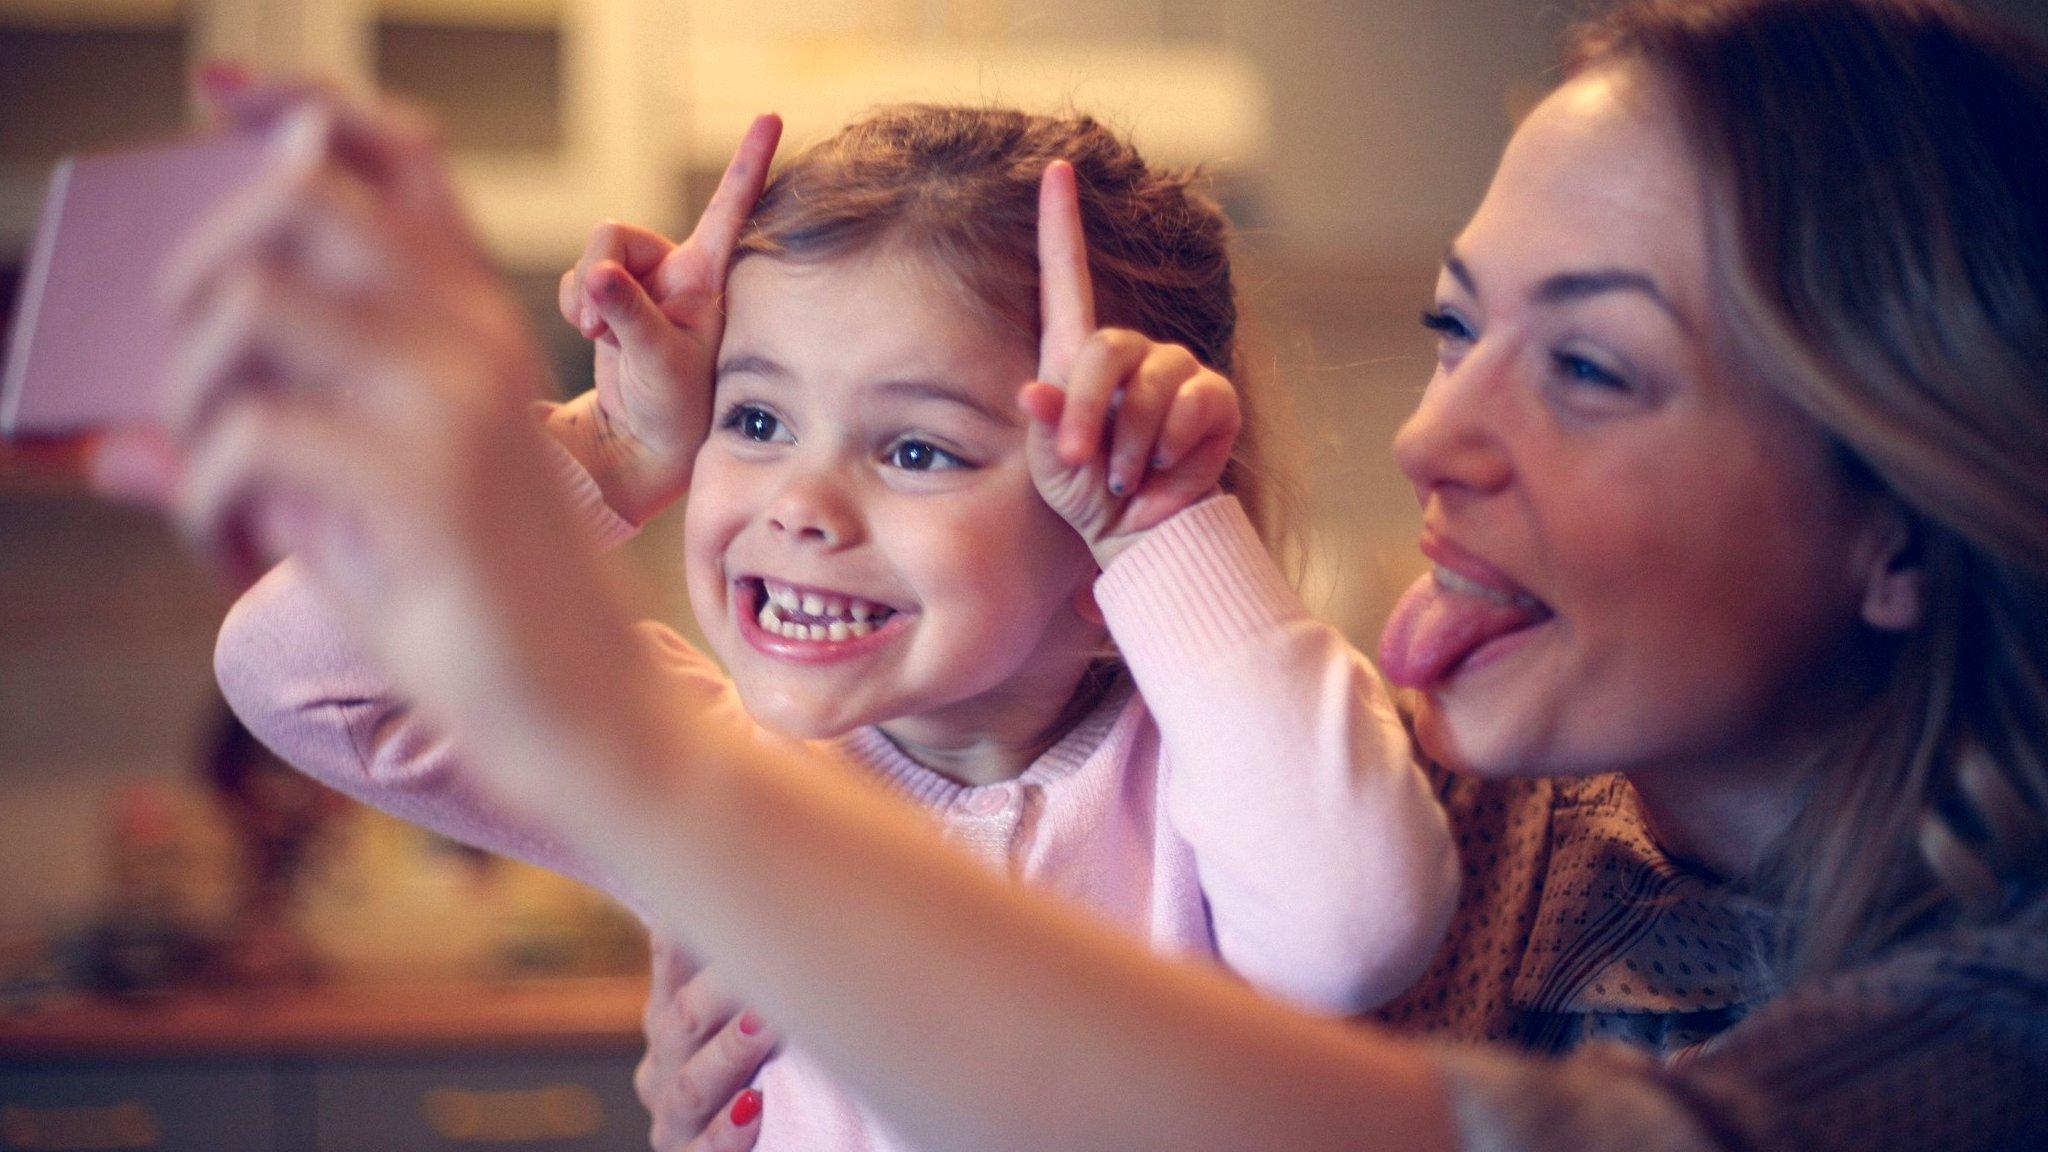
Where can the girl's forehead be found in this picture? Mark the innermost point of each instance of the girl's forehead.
(867, 317)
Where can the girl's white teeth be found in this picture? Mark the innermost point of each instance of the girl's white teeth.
(841, 619)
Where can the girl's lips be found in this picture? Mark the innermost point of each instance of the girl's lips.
(1458, 617)
(748, 596)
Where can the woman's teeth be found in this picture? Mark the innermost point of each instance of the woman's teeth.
(811, 616)
(1453, 582)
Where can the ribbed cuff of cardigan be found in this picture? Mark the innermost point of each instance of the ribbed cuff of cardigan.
(1195, 585)
(609, 528)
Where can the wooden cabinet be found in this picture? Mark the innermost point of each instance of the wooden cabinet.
(539, 1067)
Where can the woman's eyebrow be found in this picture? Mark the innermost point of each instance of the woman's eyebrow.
(938, 390)
(1565, 287)
(1460, 273)
(1569, 286)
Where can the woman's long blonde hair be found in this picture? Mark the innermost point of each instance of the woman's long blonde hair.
(1877, 172)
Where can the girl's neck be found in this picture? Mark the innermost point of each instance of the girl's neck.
(993, 748)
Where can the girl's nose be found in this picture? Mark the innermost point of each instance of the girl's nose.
(812, 509)
(1452, 443)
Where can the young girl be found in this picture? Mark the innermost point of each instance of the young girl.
(898, 556)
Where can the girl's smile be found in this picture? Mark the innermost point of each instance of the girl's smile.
(810, 625)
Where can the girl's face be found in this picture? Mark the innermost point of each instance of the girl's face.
(864, 543)
(1643, 560)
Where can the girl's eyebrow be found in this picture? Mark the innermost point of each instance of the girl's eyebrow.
(939, 390)
(752, 365)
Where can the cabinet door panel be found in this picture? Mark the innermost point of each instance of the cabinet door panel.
(164, 1108)
(556, 1104)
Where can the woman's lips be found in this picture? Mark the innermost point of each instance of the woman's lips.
(1451, 613)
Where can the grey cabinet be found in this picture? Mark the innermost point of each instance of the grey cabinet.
(557, 1102)
(531, 1105)
(214, 1108)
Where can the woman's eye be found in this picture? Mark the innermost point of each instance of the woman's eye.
(753, 423)
(1579, 370)
(1446, 325)
(920, 456)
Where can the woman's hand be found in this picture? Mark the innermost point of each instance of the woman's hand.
(702, 1049)
(1125, 432)
(655, 310)
(351, 383)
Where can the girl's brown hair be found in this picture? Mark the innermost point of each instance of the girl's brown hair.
(958, 186)
(1877, 182)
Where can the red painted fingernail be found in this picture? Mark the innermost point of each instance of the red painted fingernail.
(749, 1023)
(746, 1108)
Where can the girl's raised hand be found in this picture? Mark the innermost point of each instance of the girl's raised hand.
(1124, 431)
(654, 309)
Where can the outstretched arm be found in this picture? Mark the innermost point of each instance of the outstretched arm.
(385, 440)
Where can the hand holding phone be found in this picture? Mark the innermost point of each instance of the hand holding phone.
(90, 337)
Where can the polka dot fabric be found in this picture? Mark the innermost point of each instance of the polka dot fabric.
(1576, 938)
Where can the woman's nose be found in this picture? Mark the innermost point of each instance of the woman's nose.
(1453, 440)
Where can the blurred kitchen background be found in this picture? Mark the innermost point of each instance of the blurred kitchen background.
(142, 847)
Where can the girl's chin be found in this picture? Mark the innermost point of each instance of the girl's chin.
(795, 717)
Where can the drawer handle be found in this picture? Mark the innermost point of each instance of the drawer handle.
(514, 1116)
(100, 1128)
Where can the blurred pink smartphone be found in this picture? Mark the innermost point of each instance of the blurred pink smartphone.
(89, 341)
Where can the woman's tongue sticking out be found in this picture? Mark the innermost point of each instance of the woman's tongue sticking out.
(1436, 626)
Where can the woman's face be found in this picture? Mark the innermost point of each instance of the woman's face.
(1643, 560)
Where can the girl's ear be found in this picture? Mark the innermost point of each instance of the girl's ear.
(1085, 605)
(1891, 570)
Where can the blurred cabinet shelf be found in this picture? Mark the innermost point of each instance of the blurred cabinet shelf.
(548, 104)
(530, 1065)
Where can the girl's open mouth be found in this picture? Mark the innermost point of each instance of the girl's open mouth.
(791, 620)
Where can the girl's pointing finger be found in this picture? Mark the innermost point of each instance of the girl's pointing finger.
(1066, 294)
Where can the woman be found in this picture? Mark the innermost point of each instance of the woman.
(1734, 461)
(1737, 643)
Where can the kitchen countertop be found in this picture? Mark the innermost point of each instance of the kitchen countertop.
(324, 1020)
